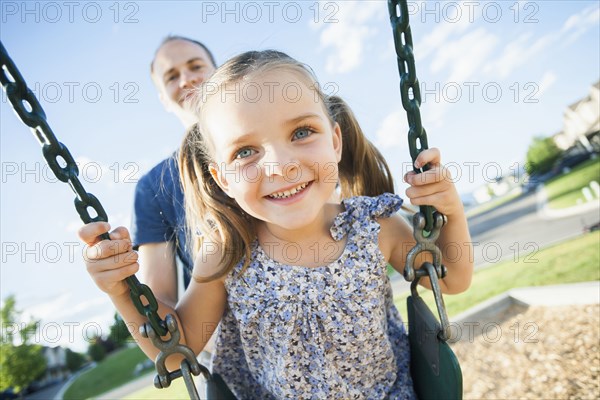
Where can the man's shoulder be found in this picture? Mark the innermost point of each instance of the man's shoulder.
(166, 170)
(158, 194)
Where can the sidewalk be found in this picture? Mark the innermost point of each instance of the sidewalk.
(147, 380)
(545, 212)
(399, 284)
(125, 390)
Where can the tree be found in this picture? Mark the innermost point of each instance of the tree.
(74, 360)
(541, 155)
(119, 332)
(23, 363)
(96, 349)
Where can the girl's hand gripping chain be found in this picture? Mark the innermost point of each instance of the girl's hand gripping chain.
(433, 187)
(109, 262)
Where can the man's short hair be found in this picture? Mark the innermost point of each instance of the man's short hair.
(171, 38)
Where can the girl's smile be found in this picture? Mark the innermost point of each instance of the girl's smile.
(287, 196)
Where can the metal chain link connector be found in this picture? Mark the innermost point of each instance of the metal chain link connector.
(32, 114)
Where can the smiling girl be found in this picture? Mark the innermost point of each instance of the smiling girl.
(296, 278)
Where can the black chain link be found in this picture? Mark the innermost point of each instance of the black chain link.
(32, 114)
(409, 89)
(428, 223)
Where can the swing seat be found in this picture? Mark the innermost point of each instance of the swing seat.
(434, 367)
(216, 388)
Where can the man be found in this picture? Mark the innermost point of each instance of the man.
(158, 229)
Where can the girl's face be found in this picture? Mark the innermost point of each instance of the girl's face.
(276, 152)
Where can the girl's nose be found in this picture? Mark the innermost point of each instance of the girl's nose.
(280, 162)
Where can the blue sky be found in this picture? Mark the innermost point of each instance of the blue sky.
(493, 75)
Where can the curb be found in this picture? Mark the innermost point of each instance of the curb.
(548, 296)
(61, 393)
(545, 212)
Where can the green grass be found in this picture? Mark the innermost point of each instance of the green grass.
(565, 190)
(576, 260)
(110, 373)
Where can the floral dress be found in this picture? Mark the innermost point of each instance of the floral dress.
(330, 332)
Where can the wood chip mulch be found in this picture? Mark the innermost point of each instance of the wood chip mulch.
(533, 353)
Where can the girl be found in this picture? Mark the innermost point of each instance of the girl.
(296, 279)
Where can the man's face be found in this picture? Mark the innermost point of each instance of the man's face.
(179, 67)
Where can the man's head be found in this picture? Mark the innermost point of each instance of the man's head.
(179, 65)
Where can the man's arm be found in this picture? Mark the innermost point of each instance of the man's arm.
(154, 223)
(158, 270)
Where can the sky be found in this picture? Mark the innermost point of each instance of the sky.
(493, 75)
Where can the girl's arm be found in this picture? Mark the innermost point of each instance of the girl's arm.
(110, 262)
(433, 187)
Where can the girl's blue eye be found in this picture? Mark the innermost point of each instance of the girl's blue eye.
(244, 153)
(302, 133)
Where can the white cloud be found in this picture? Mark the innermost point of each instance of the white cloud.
(345, 39)
(48, 308)
(584, 19)
(546, 82)
(439, 37)
(95, 303)
(392, 131)
(62, 306)
(512, 56)
(526, 47)
(454, 47)
(433, 114)
(76, 333)
(465, 56)
(577, 24)
(69, 324)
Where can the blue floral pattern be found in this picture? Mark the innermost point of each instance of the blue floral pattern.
(330, 332)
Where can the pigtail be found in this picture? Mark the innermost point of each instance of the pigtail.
(211, 215)
(362, 171)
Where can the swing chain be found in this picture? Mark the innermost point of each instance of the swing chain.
(427, 223)
(56, 153)
(410, 91)
(31, 113)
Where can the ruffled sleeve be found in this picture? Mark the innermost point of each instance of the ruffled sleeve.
(360, 209)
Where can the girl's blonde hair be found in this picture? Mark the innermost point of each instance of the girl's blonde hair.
(362, 169)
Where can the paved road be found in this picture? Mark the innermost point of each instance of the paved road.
(520, 227)
(45, 394)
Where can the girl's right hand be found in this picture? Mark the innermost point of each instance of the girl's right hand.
(109, 262)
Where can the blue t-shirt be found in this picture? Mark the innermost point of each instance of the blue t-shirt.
(159, 214)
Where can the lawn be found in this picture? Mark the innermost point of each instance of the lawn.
(112, 372)
(565, 190)
(576, 260)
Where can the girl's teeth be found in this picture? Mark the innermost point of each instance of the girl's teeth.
(288, 193)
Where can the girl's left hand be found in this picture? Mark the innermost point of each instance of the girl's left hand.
(433, 187)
